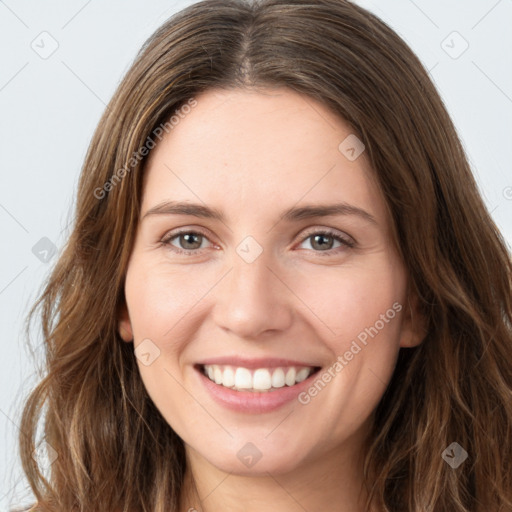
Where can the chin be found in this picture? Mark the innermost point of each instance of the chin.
(249, 461)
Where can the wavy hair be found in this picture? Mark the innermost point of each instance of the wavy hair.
(115, 450)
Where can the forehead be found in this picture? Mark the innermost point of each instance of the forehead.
(243, 149)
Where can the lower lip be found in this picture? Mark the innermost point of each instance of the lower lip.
(254, 402)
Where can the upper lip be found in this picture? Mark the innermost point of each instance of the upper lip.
(255, 363)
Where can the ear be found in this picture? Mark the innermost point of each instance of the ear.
(414, 323)
(124, 325)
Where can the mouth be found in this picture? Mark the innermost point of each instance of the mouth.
(255, 385)
(256, 380)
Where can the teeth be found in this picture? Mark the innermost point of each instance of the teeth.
(243, 378)
(302, 374)
(290, 377)
(262, 379)
(228, 377)
(278, 378)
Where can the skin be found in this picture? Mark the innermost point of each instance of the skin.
(253, 154)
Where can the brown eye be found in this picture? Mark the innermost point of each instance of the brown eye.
(323, 242)
(186, 242)
(190, 240)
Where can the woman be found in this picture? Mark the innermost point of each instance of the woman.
(338, 339)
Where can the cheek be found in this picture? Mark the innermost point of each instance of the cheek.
(160, 299)
(339, 306)
(161, 307)
(166, 302)
(344, 301)
(359, 310)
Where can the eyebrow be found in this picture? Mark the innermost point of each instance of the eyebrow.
(290, 215)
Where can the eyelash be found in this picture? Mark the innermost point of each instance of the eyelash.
(192, 252)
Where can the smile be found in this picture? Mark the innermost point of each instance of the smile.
(259, 380)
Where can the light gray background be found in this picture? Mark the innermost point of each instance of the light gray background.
(50, 106)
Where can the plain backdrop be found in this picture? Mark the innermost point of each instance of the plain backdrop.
(60, 62)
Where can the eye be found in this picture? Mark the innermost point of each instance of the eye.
(324, 241)
(190, 241)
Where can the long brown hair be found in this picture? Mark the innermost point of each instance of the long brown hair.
(115, 451)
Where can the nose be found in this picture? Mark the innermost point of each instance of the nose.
(253, 300)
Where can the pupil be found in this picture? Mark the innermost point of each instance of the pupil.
(188, 237)
(320, 237)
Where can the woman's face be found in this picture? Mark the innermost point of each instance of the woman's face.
(240, 272)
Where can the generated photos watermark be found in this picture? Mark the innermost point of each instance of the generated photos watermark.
(356, 346)
(137, 156)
